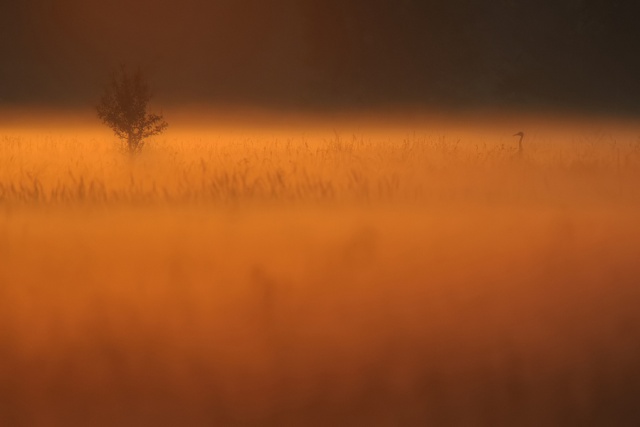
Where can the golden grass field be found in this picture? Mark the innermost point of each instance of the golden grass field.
(336, 272)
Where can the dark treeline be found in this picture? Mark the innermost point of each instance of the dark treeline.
(327, 53)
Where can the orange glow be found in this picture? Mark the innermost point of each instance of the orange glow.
(279, 270)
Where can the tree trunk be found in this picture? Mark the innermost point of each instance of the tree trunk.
(132, 144)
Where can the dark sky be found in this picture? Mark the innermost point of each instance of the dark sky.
(565, 54)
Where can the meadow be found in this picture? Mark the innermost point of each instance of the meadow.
(336, 271)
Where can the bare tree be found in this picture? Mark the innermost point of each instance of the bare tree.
(123, 107)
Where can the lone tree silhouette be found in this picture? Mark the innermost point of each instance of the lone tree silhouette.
(123, 107)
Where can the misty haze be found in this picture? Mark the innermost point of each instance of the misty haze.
(314, 213)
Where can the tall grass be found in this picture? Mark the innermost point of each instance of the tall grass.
(306, 276)
(222, 169)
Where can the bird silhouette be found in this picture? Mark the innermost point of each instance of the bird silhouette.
(521, 135)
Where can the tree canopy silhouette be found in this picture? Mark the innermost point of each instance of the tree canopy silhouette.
(123, 107)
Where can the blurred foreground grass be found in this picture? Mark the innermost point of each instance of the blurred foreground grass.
(315, 277)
